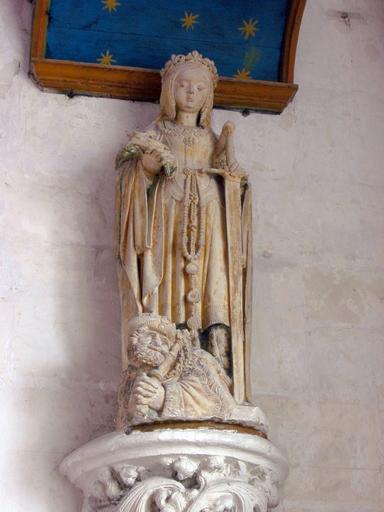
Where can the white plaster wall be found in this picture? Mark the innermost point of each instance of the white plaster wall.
(317, 171)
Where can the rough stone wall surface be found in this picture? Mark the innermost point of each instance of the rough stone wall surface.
(318, 184)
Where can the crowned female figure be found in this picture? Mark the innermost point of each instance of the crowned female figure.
(183, 219)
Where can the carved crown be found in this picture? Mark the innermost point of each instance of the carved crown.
(191, 58)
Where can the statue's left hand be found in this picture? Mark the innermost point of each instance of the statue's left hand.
(149, 391)
(152, 162)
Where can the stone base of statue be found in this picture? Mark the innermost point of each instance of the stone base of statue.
(177, 467)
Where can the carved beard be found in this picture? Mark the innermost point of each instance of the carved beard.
(149, 349)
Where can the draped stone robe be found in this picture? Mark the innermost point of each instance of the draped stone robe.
(153, 233)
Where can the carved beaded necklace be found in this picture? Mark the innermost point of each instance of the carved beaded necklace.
(193, 230)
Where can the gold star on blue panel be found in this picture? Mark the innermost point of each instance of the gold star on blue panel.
(189, 20)
(243, 74)
(106, 59)
(110, 5)
(249, 28)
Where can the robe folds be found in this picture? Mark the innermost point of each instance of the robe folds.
(151, 226)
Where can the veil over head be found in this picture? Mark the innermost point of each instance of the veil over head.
(173, 68)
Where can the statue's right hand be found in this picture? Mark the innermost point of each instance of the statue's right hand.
(148, 391)
(152, 162)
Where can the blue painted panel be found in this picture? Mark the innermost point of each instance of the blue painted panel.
(145, 33)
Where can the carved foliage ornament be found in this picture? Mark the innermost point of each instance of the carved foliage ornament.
(184, 484)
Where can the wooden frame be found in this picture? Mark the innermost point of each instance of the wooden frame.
(122, 82)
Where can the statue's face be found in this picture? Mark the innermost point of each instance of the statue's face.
(191, 89)
(149, 347)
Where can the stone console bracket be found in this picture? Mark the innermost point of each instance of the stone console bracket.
(178, 471)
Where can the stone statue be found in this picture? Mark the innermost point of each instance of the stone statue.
(168, 377)
(186, 439)
(183, 235)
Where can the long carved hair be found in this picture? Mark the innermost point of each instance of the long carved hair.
(167, 97)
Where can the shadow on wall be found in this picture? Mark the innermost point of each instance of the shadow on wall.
(86, 297)
(69, 329)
